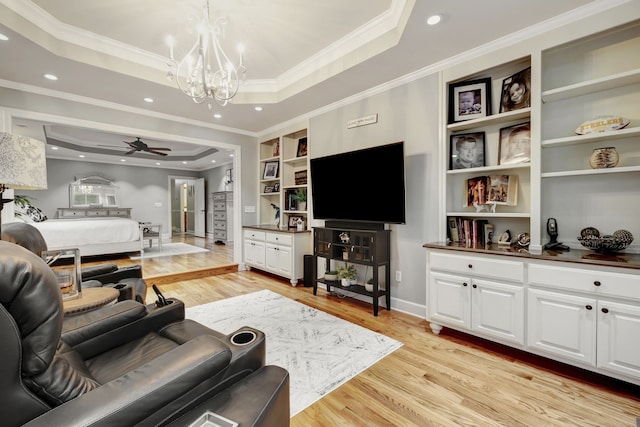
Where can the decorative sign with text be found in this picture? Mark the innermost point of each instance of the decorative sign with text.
(362, 121)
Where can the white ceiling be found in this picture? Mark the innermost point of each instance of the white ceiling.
(301, 55)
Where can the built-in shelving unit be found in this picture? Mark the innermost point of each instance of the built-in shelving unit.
(289, 154)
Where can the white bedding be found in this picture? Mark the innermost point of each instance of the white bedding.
(72, 233)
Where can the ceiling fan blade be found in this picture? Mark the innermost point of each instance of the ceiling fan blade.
(130, 152)
(156, 152)
(159, 148)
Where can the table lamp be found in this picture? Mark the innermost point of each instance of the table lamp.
(23, 165)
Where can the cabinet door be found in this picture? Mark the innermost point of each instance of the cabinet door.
(449, 300)
(618, 332)
(254, 253)
(563, 325)
(497, 309)
(278, 259)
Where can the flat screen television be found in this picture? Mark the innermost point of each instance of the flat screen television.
(363, 185)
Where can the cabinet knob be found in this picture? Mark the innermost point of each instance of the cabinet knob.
(588, 307)
(470, 266)
(475, 286)
(464, 284)
(597, 283)
(605, 310)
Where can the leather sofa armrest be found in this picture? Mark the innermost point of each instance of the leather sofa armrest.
(155, 319)
(88, 273)
(153, 387)
(129, 272)
(85, 326)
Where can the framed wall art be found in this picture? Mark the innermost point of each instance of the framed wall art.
(467, 150)
(515, 144)
(469, 100)
(302, 147)
(516, 91)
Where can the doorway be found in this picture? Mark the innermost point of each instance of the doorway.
(187, 200)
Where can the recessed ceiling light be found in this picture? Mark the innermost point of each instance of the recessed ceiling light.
(122, 160)
(258, 108)
(231, 155)
(434, 19)
(50, 77)
(53, 147)
(157, 163)
(184, 163)
(213, 161)
(81, 156)
(3, 37)
(217, 115)
(149, 100)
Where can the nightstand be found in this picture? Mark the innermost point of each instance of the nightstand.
(149, 232)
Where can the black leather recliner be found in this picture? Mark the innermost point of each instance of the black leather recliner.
(124, 364)
(127, 280)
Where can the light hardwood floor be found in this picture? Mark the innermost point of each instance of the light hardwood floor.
(447, 380)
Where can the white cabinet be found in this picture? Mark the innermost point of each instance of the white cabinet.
(586, 315)
(278, 252)
(471, 302)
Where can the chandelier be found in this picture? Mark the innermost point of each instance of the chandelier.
(206, 72)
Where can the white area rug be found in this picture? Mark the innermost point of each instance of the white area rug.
(169, 249)
(320, 351)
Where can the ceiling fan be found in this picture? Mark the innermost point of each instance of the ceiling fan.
(138, 145)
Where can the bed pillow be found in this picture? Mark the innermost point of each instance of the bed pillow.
(30, 212)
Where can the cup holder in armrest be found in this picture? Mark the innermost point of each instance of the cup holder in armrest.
(243, 338)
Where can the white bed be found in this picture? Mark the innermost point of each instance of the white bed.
(93, 236)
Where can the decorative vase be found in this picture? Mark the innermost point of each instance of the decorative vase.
(345, 282)
(302, 206)
(606, 157)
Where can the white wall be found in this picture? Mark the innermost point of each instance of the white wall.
(407, 113)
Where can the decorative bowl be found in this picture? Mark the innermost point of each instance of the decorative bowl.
(608, 243)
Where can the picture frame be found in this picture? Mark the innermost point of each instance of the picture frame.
(293, 221)
(515, 144)
(467, 150)
(302, 147)
(269, 189)
(516, 91)
(276, 187)
(469, 100)
(270, 170)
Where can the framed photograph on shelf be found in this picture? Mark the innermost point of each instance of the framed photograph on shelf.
(276, 149)
(467, 150)
(293, 221)
(469, 100)
(271, 170)
(516, 91)
(302, 147)
(276, 187)
(269, 188)
(515, 144)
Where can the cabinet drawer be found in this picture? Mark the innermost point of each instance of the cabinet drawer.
(220, 215)
(119, 212)
(220, 234)
(584, 280)
(280, 238)
(220, 224)
(219, 206)
(96, 213)
(217, 197)
(254, 234)
(494, 268)
(71, 213)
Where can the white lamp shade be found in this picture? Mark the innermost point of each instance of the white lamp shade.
(23, 163)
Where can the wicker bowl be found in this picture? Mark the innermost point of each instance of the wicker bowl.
(608, 243)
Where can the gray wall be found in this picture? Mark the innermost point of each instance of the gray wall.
(407, 113)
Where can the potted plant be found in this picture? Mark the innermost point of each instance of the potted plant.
(347, 273)
(369, 285)
(331, 275)
(301, 197)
